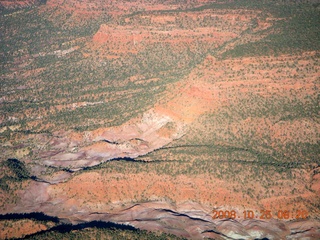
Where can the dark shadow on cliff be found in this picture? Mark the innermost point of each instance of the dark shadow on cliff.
(34, 215)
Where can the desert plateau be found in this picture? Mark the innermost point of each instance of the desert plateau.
(160, 119)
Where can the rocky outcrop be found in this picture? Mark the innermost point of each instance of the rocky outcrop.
(188, 219)
(222, 133)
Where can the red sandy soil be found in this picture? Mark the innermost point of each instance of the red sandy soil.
(138, 198)
(145, 29)
(213, 84)
(19, 228)
(204, 90)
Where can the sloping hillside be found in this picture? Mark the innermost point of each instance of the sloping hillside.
(197, 119)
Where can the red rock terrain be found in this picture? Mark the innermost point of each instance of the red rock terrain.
(117, 196)
(189, 99)
(229, 134)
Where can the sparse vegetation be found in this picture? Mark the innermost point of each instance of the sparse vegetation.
(240, 76)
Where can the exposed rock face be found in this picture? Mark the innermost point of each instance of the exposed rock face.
(135, 138)
(187, 100)
(156, 128)
(180, 30)
(188, 219)
(66, 195)
(223, 133)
